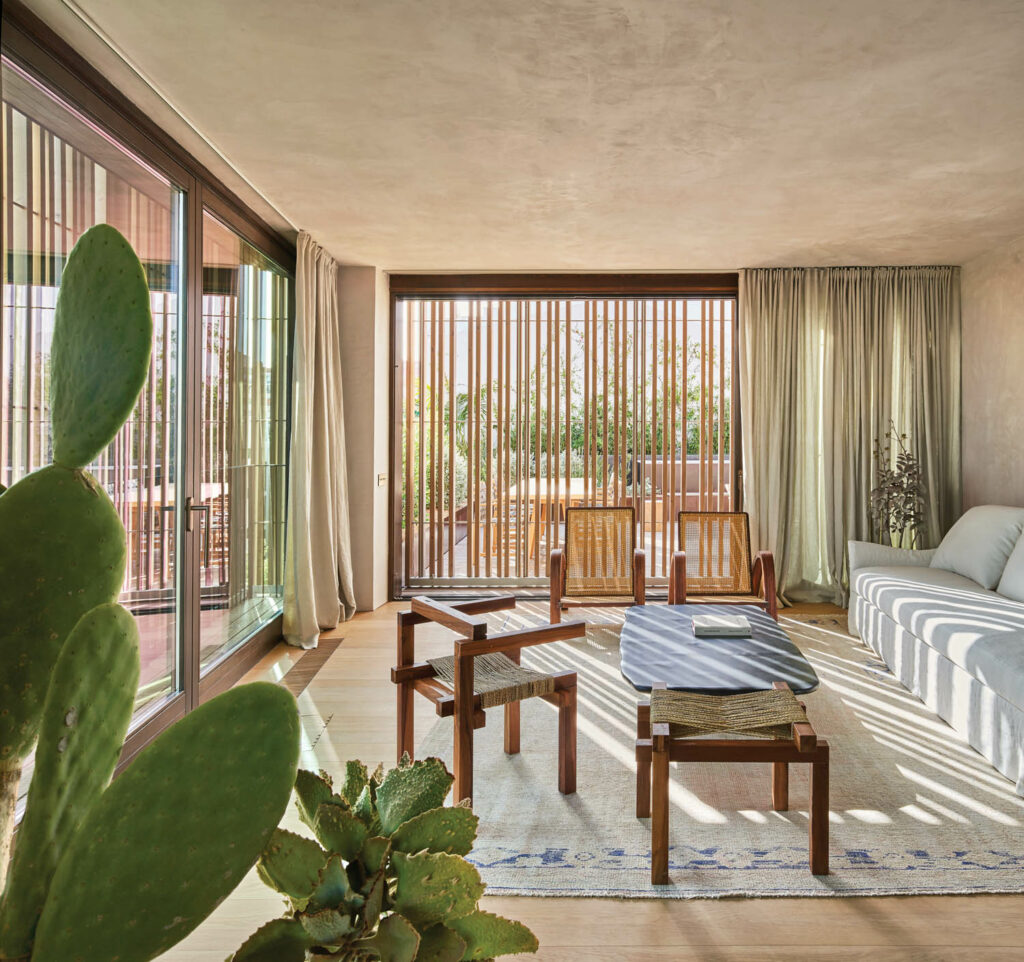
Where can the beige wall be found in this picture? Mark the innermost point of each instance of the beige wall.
(993, 377)
(363, 305)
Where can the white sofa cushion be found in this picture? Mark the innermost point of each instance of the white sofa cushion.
(1011, 585)
(945, 610)
(978, 545)
(998, 662)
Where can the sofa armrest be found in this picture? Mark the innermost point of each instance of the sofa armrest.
(867, 554)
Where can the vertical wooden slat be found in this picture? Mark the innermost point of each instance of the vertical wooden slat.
(550, 349)
(411, 445)
(721, 407)
(568, 394)
(673, 351)
(451, 439)
(652, 368)
(421, 393)
(667, 467)
(471, 454)
(537, 446)
(587, 351)
(488, 526)
(604, 405)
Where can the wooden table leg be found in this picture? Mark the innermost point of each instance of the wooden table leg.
(512, 728)
(567, 742)
(780, 786)
(643, 760)
(659, 810)
(819, 813)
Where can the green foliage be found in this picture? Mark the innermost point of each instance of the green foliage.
(102, 334)
(406, 895)
(85, 717)
(62, 552)
(175, 833)
(899, 500)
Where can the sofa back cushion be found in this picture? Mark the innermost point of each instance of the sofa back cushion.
(980, 543)
(1011, 585)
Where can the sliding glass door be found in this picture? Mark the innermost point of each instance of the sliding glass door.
(198, 472)
(243, 402)
(62, 177)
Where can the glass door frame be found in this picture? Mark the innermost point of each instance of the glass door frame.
(35, 48)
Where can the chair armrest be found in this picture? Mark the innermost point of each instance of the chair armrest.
(523, 638)
(677, 579)
(469, 626)
(866, 554)
(763, 581)
(640, 576)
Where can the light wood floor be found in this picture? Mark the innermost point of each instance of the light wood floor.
(348, 712)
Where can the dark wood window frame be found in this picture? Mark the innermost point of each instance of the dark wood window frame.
(30, 43)
(555, 285)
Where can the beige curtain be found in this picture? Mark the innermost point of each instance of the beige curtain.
(318, 555)
(827, 357)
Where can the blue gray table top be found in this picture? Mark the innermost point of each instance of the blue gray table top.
(658, 645)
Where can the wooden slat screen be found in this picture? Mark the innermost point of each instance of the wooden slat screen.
(512, 410)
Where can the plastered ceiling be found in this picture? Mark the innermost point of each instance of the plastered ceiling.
(591, 135)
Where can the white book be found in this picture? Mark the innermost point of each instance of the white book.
(721, 626)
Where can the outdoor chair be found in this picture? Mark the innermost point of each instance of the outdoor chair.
(714, 559)
(600, 565)
(484, 672)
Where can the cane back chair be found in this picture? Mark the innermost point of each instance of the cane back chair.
(484, 672)
(714, 559)
(600, 564)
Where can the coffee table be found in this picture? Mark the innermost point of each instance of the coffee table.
(659, 650)
(657, 645)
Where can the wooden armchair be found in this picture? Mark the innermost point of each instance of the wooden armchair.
(483, 672)
(600, 564)
(715, 560)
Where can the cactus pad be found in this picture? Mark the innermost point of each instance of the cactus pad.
(435, 888)
(283, 940)
(340, 831)
(411, 790)
(176, 832)
(450, 830)
(440, 944)
(291, 864)
(394, 941)
(62, 553)
(102, 334)
(311, 791)
(85, 717)
(488, 935)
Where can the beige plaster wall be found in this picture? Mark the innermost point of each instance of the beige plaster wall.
(993, 377)
(363, 306)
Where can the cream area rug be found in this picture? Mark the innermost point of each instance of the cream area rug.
(913, 808)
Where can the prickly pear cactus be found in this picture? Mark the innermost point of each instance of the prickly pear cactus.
(62, 547)
(385, 878)
(175, 832)
(85, 717)
(102, 335)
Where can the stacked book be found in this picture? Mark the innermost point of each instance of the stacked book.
(721, 626)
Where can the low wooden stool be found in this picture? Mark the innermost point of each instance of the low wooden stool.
(665, 730)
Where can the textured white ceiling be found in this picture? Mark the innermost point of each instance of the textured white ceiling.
(596, 135)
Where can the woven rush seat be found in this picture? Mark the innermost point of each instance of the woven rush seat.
(497, 679)
(759, 714)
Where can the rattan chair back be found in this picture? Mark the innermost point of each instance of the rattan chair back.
(717, 546)
(599, 544)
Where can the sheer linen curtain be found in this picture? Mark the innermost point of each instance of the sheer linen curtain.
(318, 589)
(827, 357)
